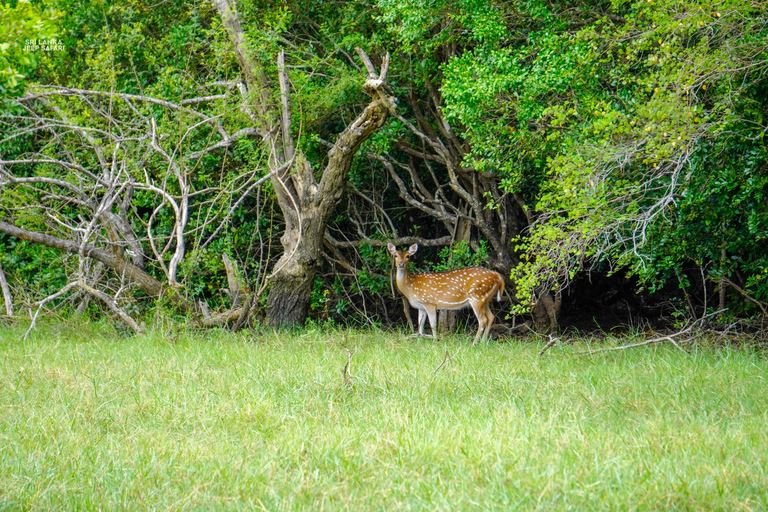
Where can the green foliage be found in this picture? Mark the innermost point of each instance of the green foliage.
(29, 266)
(633, 140)
(374, 277)
(720, 221)
(460, 254)
(27, 32)
(133, 46)
(427, 25)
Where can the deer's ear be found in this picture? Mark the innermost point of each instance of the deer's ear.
(412, 249)
(391, 248)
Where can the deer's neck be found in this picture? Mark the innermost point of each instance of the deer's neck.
(403, 278)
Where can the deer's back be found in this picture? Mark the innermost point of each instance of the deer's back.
(454, 286)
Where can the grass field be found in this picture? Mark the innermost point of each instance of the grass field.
(251, 422)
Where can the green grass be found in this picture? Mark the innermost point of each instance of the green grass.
(223, 421)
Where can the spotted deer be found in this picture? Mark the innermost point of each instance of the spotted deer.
(455, 289)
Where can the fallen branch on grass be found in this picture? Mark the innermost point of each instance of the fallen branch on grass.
(642, 343)
(552, 341)
(669, 337)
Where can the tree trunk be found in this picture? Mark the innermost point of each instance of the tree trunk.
(545, 312)
(446, 321)
(290, 292)
(290, 295)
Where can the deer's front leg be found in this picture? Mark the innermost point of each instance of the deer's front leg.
(422, 319)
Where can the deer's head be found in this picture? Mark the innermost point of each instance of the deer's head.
(402, 257)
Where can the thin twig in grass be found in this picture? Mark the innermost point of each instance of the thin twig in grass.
(441, 364)
(552, 342)
(447, 358)
(345, 374)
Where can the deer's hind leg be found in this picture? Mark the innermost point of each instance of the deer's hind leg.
(432, 313)
(489, 318)
(482, 319)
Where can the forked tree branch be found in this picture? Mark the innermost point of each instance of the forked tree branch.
(112, 305)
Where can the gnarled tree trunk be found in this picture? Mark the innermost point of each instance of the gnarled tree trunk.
(291, 284)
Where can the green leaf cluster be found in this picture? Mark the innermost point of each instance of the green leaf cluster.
(637, 129)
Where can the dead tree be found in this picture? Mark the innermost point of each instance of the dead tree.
(306, 201)
(73, 188)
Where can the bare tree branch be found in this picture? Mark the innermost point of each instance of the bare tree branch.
(149, 284)
(112, 305)
(7, 298)
(403, 240)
